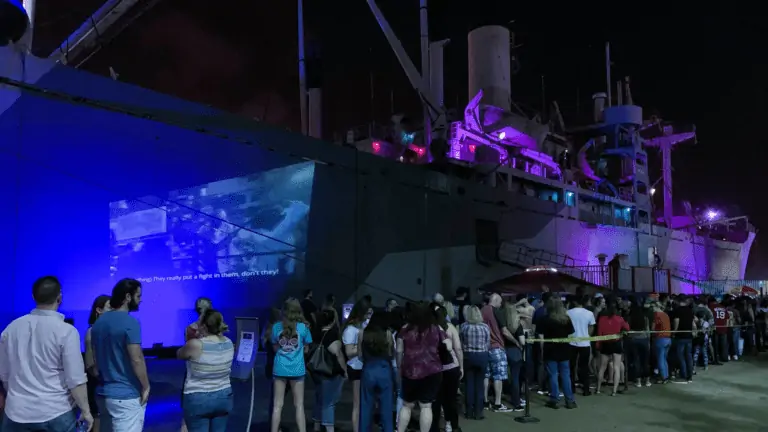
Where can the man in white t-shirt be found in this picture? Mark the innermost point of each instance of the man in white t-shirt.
(584, 325)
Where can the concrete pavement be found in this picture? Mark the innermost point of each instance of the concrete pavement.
(724, 398)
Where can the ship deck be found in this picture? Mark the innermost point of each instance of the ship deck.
(729, 397)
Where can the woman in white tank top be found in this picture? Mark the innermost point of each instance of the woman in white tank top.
(207, 399)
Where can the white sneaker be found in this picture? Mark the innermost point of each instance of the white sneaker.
(448, 427)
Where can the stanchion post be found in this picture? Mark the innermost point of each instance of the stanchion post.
(526, 417)
(626, 342)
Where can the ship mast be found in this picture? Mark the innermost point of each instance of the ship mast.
(425, 75)
(302, 73)
(433, 108)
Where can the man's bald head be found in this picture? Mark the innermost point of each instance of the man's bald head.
(495, 300)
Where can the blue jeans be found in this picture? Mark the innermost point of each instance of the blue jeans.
(662, 345)
(376, 384)
(66, 422)
(685, 357)
(515, 365)
(208, 412)
(561, 369)
(474, 373)
(327, 394)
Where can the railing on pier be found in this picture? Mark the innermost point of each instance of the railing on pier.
(630, 280)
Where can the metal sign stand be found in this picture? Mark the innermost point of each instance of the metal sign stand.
(245, 356)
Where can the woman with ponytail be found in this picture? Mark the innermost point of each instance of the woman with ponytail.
(207, 399)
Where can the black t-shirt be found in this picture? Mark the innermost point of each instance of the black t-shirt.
(308, 307)
(551, 329)
(459, 309)
(685, 316)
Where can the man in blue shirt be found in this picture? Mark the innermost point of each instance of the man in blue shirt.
(116, 337)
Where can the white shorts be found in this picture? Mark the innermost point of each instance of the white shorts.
(121, 415)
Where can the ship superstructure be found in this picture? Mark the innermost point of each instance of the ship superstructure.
(595, 178)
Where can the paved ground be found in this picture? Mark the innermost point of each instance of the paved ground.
(731, 397)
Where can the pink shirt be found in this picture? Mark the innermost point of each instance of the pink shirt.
(40, 363)
(490, 320)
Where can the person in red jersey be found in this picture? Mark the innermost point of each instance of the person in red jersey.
(720, 336)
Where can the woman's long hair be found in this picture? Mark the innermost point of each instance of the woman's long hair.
(610, 308)
(638, 318)
(100, 303)
(274, 316)
(375, 340)
(292, 315)
(556, 311)
(420, 318)
(358, 314)
(512, 316)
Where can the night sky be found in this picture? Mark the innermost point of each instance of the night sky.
(243, 58)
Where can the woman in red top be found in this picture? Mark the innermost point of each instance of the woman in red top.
(609, 324)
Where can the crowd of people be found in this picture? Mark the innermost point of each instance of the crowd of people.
(405, 365)
(417, 356)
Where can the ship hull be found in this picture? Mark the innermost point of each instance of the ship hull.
(373, 226)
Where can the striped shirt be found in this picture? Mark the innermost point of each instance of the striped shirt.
(475, 337)
(210, 372)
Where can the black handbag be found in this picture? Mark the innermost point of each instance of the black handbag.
(321, 361)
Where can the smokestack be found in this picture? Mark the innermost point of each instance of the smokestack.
(489, 65)
(315, 113)
(619, 93)
(436, 70)
(599, 105)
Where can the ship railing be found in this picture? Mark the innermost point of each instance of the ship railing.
(720, 287)
(636, 279)
(523, 255)
(593, 274)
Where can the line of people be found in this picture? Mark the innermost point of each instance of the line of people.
(403, 358)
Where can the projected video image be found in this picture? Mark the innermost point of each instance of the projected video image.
(242, 227)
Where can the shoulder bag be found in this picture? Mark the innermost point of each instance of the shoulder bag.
(321, 361)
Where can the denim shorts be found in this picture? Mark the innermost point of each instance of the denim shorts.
(497, 365)
(289, 379)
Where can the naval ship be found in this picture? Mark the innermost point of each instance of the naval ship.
(409, 211)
